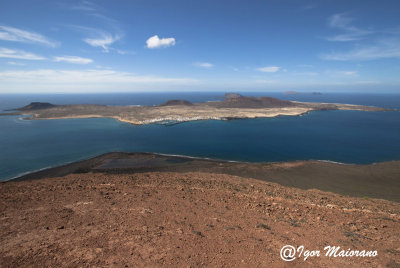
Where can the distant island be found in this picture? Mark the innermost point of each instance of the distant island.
(291, 92)
(296, 93)
(234, 106)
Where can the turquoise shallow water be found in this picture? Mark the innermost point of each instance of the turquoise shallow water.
(341, 136)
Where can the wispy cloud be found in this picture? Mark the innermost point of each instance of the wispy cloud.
(349, 32)
(385, 48)
(86, 76)
(16, 63)
(96, 11)
(269, 69)
(306, 73)
(305, 65)
(125, 52)
(348, 73)
(86, 6)
(97, 37)
(111, 22)
(18, 54)
(263, 81)
(17, 35)
(367, 82)
(309, 6)
(73, 59)
(203, 64)
(105, 40)
(341, 74)
(156, 42)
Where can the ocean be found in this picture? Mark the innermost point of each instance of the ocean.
(339, 136)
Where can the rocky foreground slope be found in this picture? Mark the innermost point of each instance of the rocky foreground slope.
(187, 219)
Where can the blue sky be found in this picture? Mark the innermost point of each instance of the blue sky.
(129, 46)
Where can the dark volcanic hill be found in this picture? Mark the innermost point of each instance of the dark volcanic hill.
(232, 95)
(36, 106)
(176, 102)
(239, 101)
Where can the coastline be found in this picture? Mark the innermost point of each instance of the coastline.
(377, 180)
(235, 106)
(28, 173)
(116, 208)
(179, 119)
(21, 176)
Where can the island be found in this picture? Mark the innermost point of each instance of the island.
(234, 106)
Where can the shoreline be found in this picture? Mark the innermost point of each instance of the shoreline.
(173, 119)
(176, 120)
(235, 106)
(27, 173)
(377, 180)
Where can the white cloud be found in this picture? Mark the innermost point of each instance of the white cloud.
(104, 41)
(309, 7)
(342, 73)
(339, 20)
(156, 42)
(97, 37)
(112, 22)
(73, 59)
(18, 35)
(16, 63)
(305, 65)
(85, 77)
(306, 73)
(125, 52)
(350, 32)
(263, 81)
(350, 73)
(18, 54)
(203, 64)
(389, 48)
(367, 82)
(269, 69)
(86, 6)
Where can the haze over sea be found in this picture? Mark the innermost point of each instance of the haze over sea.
(340, 136)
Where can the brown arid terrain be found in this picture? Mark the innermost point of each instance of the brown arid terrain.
(186, 219)
(235, 106)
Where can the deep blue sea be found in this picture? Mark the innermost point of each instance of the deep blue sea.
(340, 136)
